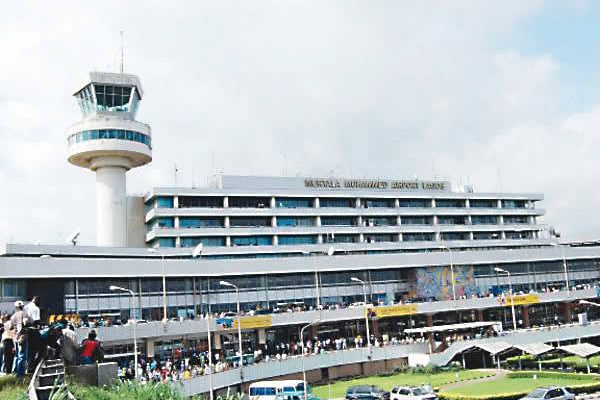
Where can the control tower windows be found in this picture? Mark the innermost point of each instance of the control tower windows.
(112, 98)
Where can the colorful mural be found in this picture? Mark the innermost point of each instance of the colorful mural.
(436, 283)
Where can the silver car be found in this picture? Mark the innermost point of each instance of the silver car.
(552, 392)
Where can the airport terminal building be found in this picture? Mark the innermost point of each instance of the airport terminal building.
(423, 252)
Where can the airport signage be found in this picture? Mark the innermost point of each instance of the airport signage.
(519, 300)
(374, 184)
(392, 311)
(253, 322)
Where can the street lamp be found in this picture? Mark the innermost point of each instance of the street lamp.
(444, 247)
(164, 283)
(510, 291)
(364, 286)
(237, 293)
(302, 357)
(197, 253)
(566, 271)
(113, 288)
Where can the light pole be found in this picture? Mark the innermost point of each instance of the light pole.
(302, 357)
(444, 247)
(239, 315)
(164, 283)
(566, 271)
(510, 291)
(364, 286)
(135, 349)
(197, 253)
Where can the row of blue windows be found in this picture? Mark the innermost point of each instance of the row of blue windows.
(120, 134)
(192, 222)
(295, 221)
(206, 241)
(252, 241)
(326, 202)
(297, 239)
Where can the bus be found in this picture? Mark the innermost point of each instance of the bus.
(272, 390)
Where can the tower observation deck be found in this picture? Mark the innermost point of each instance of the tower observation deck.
(109, 141)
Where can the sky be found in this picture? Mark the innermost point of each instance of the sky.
(504, 96)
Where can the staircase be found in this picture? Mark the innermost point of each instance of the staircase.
(48, 381)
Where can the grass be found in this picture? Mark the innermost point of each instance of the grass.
(338, 389)
(572, 360)
(518, 384)
(11, 389)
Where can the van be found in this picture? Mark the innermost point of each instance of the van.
(269, 390)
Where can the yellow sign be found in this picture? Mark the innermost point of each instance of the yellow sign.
(257, 321)
(393, 311)
(520, 300)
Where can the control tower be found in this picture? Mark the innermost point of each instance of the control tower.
(109, 141)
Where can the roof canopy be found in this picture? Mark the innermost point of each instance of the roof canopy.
(452, 327)
(582, 350)
(535, 349)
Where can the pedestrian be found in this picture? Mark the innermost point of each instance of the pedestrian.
(18, 323)
(91, 349)
(35, 352)
(8, 346)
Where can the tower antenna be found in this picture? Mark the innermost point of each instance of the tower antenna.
(122, 54)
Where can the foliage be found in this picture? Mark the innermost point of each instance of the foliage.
(127, 391)
(517, 384)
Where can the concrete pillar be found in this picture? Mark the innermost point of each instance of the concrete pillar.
(228, 241)
(357, 202)
(429, 320)
(275, 240)
(317, 221)
(317, 204)
(433, 203)
(273, 221)
(262, 336)
(273, 204)
(397, 203)
(480, 315)
(359, 221)
(375, 328)
(217, 344)
(320, 239)
(226, 222)
(149, 348)
(226, 202)
(525, 316)
(111, 203)
(398, 220)
(176, 202)
(176, 223)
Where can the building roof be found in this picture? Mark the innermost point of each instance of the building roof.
(582, 349)
(535, 349)
(452, 327)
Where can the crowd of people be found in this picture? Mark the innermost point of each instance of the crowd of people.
(25, 340)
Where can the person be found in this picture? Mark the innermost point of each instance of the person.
(18, 323)
(91, 349)
(8, 346)
(34, 342)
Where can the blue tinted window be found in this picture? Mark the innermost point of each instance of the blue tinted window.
(166, 242)
(484, 219)
(297, 239)
(111, 134)
(295, 221)
(206, 241)
(483, 203)
(193, 222)
(164, 202)
(252, 241)
(284, 202)
(416, 237)
(419, 203)
(450, 203)
(455, 236)
(337, 221)
(416, 220)
(165, 222)
(334, 202)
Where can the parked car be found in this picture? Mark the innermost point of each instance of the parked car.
(424, 392)
(552, 392)
(366, 392)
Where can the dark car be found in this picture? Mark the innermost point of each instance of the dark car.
(367, 392)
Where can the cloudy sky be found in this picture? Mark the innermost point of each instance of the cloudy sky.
(504, 98)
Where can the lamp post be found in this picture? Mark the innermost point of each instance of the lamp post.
(135, 349)
(302, 357)
(197, 253)
(510, 291)
(565, 270)
(239, 315)
(444, 247)
(164, 283)
(364, 286)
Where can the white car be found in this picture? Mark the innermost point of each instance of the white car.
(552, 392)
(424, 392)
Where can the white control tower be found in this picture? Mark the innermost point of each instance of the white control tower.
(109, 141)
